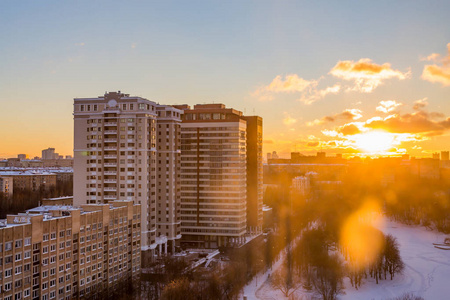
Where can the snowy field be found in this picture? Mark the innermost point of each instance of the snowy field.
(426, 273)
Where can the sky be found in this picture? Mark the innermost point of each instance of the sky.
(350, 77)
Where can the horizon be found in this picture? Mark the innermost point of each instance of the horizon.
(364, 79)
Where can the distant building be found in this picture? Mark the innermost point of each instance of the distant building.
(62, 252)
(436, 155)
(444, 155)
(22, 156)
(49, 153)
(274, 155)
(405, 157)
(301, 184)
(32, 180)
(6, 185)
(269, 156)
(321, 155)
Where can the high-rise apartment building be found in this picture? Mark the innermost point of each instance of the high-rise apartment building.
(49, 153)
(121, 152)
(444, 155)
(62, 252)
(216, 160)
(254, 174)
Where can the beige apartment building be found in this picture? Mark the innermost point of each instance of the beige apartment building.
(62, 252)
(121, 153)
(31, 179)
(221, 176)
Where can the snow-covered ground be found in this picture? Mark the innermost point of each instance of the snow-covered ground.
(427, 270)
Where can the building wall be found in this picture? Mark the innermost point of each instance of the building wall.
(7, 185)
(73, 253)
(254, 174)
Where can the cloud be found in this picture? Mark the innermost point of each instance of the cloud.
(431, 57)
(312, 144)
(388, 106)
(349, 129)
(435, 73)
(80, 44)
(366, 75)
(133, 45)
(314, 95)
(417, 122)
(288, 120)
(421, 103)
(348, 114)
(293, 84)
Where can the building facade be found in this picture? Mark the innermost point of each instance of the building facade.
(61, 252)
(214, 173)
(6, 185)
(116, 157)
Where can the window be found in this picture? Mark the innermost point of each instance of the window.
(7, 286)
(45, 249)
(26, 293)
(18, 270)
(52, 248)
(8, 273)
(53, 235)
(27, 241)
(8, 246)
(45, 286)
(53, 259)
(18, 256)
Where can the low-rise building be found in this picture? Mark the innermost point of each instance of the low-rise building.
(65, 252)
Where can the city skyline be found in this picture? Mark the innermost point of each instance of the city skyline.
(324, 76)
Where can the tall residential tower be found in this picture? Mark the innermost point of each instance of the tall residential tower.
(221, 175)
(119, 155)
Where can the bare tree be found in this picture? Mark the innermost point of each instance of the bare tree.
(285, 282)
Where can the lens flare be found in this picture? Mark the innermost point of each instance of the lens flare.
(359, 238)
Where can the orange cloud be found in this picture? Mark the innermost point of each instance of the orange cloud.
(435, 73)
(366, 75)
(348, 114)
(388, 106)
(349, 129)
(291, 84)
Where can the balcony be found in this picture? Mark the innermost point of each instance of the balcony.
(110, 140)
(110, 180)
(110, 131)
(110, 189)
(110, 164)
(111, 124)
(110, 197)
(110, 156)
(110, 172)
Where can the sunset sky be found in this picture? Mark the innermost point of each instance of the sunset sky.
(351, 77)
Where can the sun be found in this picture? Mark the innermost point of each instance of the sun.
(374, 141)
